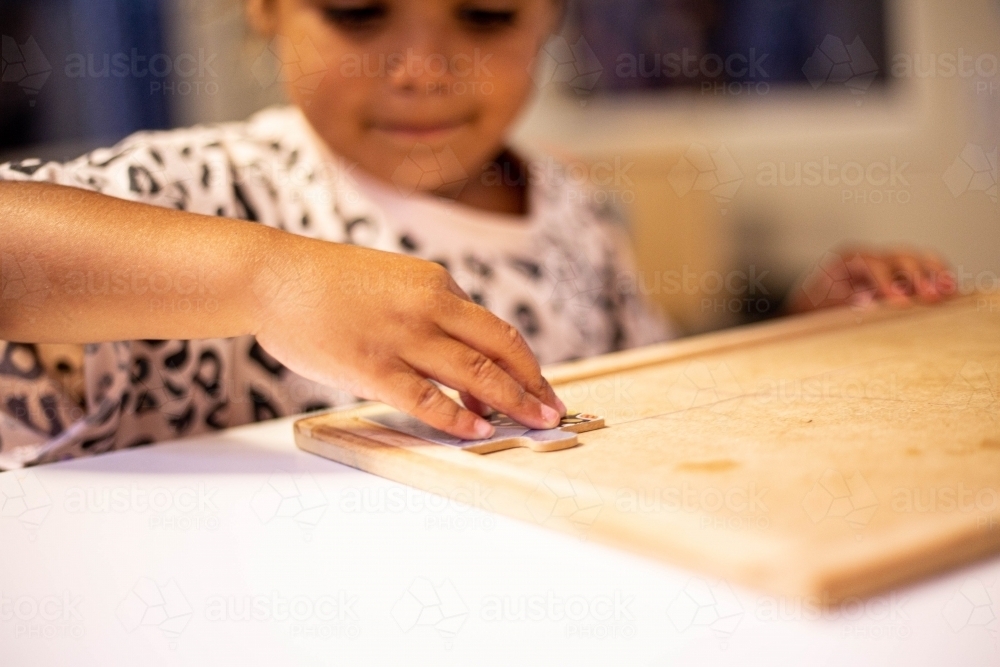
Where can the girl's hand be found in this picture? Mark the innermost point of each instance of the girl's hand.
(382, 326)
(377, 324)
(858, 276)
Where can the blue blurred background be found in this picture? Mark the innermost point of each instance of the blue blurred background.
(74, 107)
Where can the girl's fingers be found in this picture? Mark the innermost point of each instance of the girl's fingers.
(921, 274)
(486, 333)
(908, 275)
(456, 365)
(921, 271)
(933, 262)
(407, 390)
(474, 404)
(875, 272)
(939, 274)
(897, 277)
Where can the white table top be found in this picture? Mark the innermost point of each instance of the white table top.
(239, 549)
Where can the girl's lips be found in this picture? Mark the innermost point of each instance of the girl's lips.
(419, 133)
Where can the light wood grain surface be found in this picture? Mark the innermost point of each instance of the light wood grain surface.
(831, 455)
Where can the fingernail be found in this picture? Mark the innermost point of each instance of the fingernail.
(550, 416)
(483, 429)
(560, 405)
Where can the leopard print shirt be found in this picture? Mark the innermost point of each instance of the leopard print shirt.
(554, 274)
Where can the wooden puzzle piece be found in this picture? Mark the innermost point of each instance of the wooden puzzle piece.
(508, 432)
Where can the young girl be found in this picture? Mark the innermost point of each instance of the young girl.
(225, 321)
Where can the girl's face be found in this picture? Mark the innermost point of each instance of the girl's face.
(419, 93)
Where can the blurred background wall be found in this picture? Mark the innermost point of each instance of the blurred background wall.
(866, 121)
(937, 119)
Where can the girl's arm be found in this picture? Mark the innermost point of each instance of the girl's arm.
(81, 267)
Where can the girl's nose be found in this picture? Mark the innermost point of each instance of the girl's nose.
(423, 64)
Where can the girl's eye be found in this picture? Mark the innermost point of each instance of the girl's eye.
(486, 19)
(356, 18)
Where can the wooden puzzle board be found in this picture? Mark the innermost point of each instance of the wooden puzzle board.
(832, 455)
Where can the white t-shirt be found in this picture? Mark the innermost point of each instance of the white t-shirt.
(554, 273)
